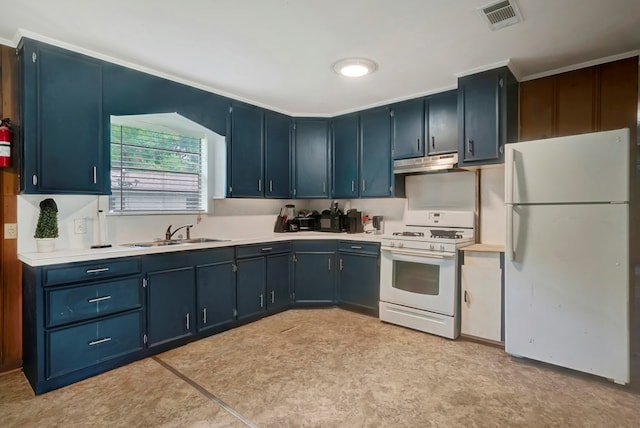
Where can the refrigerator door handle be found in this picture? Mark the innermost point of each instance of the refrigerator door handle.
(511, 249)
(511, 170)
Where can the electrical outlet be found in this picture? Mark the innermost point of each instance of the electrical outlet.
(10, 231)
(80, 226)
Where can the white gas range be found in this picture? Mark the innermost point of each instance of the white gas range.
(419, 271)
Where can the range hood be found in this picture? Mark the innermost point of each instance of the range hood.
(435, 163)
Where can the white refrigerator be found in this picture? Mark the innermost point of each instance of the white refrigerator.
(567, 252)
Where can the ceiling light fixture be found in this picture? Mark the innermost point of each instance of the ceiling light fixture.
(354, 67)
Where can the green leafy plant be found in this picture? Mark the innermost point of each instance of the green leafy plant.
(47, 226)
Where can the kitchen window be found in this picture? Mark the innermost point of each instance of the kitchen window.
(156, 172)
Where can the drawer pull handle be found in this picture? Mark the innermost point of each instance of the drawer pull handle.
(98, 270)
(99, 299)
(99, 341)
(204, 315)
(356, 247)
(273, 296)
(267, 249)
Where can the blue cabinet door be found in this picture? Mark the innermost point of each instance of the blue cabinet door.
(376, 164)
(442, 123)
(251, 284)
(408, 129)
(311, 159)
(358, 282)
(171, 303)
(345, 157)
(62, 140)
(487, 116)
(314, 272)
(277, 156)
(216, 294)
(278, 281)
(246, 151)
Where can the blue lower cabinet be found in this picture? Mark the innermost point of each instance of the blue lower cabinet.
(278, 282)
(314, 275)
(263, 278)
(87, 344)
(81, 319)
(216, 294)
(359, 276)
(171, 299)
(252, 287)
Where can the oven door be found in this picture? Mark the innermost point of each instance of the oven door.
(419, 279)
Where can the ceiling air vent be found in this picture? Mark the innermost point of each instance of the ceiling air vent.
(501, 13)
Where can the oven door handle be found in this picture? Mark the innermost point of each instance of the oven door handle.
(419, 253)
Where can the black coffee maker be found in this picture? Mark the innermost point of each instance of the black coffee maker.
(354, 221)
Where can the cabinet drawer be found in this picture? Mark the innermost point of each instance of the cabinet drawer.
(263, 249)
(71, 304)
(319, 246)
(87, 344)
(359, 247)
(88, 271)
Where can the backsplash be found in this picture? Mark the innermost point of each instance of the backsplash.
(242, 218)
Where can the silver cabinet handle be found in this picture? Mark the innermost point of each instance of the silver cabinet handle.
(466, 296)
(418, 144)
(356, 247)
(341, 265)
(98, 299)
(364, 185)
(353, 186)
(469, 146)
(34, 180)
(329, 264)
(95, 175)
(204, 315)
(97, 270)
(188, 323)
(433, 142)
(260, 185)
(266, 249)
(324, 187)
(99, 341)
(273, 296)
(270, 186)
(261, 300)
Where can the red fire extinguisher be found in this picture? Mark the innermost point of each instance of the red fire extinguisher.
(5, 142)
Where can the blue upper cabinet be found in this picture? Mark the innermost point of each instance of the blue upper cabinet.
(442, 123)
(277, 156)
(487, 116)
(246, 175)
(61, 113)
(345, 157)
(311, 158)
(376, 164)
(408, 129)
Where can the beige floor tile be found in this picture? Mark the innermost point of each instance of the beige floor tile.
(141, 394)
(335, 368)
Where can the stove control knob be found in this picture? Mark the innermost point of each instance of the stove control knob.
(431, 246)
(392, 244)
(441, 247)
(400, 245)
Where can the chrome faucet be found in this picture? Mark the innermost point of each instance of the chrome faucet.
(169, 233)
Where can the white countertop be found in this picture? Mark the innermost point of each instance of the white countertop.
(87, 254)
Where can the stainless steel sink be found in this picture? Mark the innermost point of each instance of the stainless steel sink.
(174, 242)
(199, 240)
(154, 244)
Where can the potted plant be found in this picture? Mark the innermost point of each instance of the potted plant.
(47, 227)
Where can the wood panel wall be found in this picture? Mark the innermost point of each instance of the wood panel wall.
(10, 268)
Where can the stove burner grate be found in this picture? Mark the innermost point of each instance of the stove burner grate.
(416, 234)
(448, 234)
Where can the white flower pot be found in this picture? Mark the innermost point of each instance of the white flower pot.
(45, 245)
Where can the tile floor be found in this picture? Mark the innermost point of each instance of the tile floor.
(326, 368)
